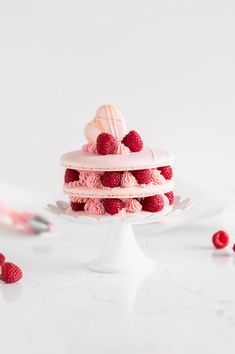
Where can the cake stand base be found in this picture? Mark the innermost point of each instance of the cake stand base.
(121, 253)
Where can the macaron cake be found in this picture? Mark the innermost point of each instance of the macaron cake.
(114, 172)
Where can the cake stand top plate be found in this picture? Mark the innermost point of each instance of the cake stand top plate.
(61, 209)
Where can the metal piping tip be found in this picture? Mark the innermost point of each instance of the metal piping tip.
(39, 225)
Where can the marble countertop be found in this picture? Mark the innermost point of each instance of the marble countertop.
(186, 306)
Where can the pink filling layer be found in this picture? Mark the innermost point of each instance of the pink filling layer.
(93, 180)
(95, 206)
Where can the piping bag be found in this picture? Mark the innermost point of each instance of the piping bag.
(25, 222)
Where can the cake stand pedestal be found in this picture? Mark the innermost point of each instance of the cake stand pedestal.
(121, 253)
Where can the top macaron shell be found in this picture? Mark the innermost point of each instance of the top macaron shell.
(147, 158)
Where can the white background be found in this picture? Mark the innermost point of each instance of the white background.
(168, 65)
(170, 68)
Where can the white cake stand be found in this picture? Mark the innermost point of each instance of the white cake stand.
(121, 253)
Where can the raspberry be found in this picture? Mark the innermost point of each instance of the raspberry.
(166, 171)
(234, 248)
(142, 176)
(154, 203)
(106, 144)
(141, 200)
(133, 141)
(111, 179)
(171, 197)
(113, 205)
(11, 273)
(2, 259)
(220, 239)
(71, 175)
(77, 206)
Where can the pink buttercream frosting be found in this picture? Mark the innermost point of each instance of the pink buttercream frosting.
(133, 206)
(166, 201)
(74, 184)
(121, 149)
(89, 179)
(122, 212)
(76, 199)
(128, 180)
(94, 206)
(157, 177)
(89, 147)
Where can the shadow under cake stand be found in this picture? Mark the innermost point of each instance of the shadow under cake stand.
(121, 253)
